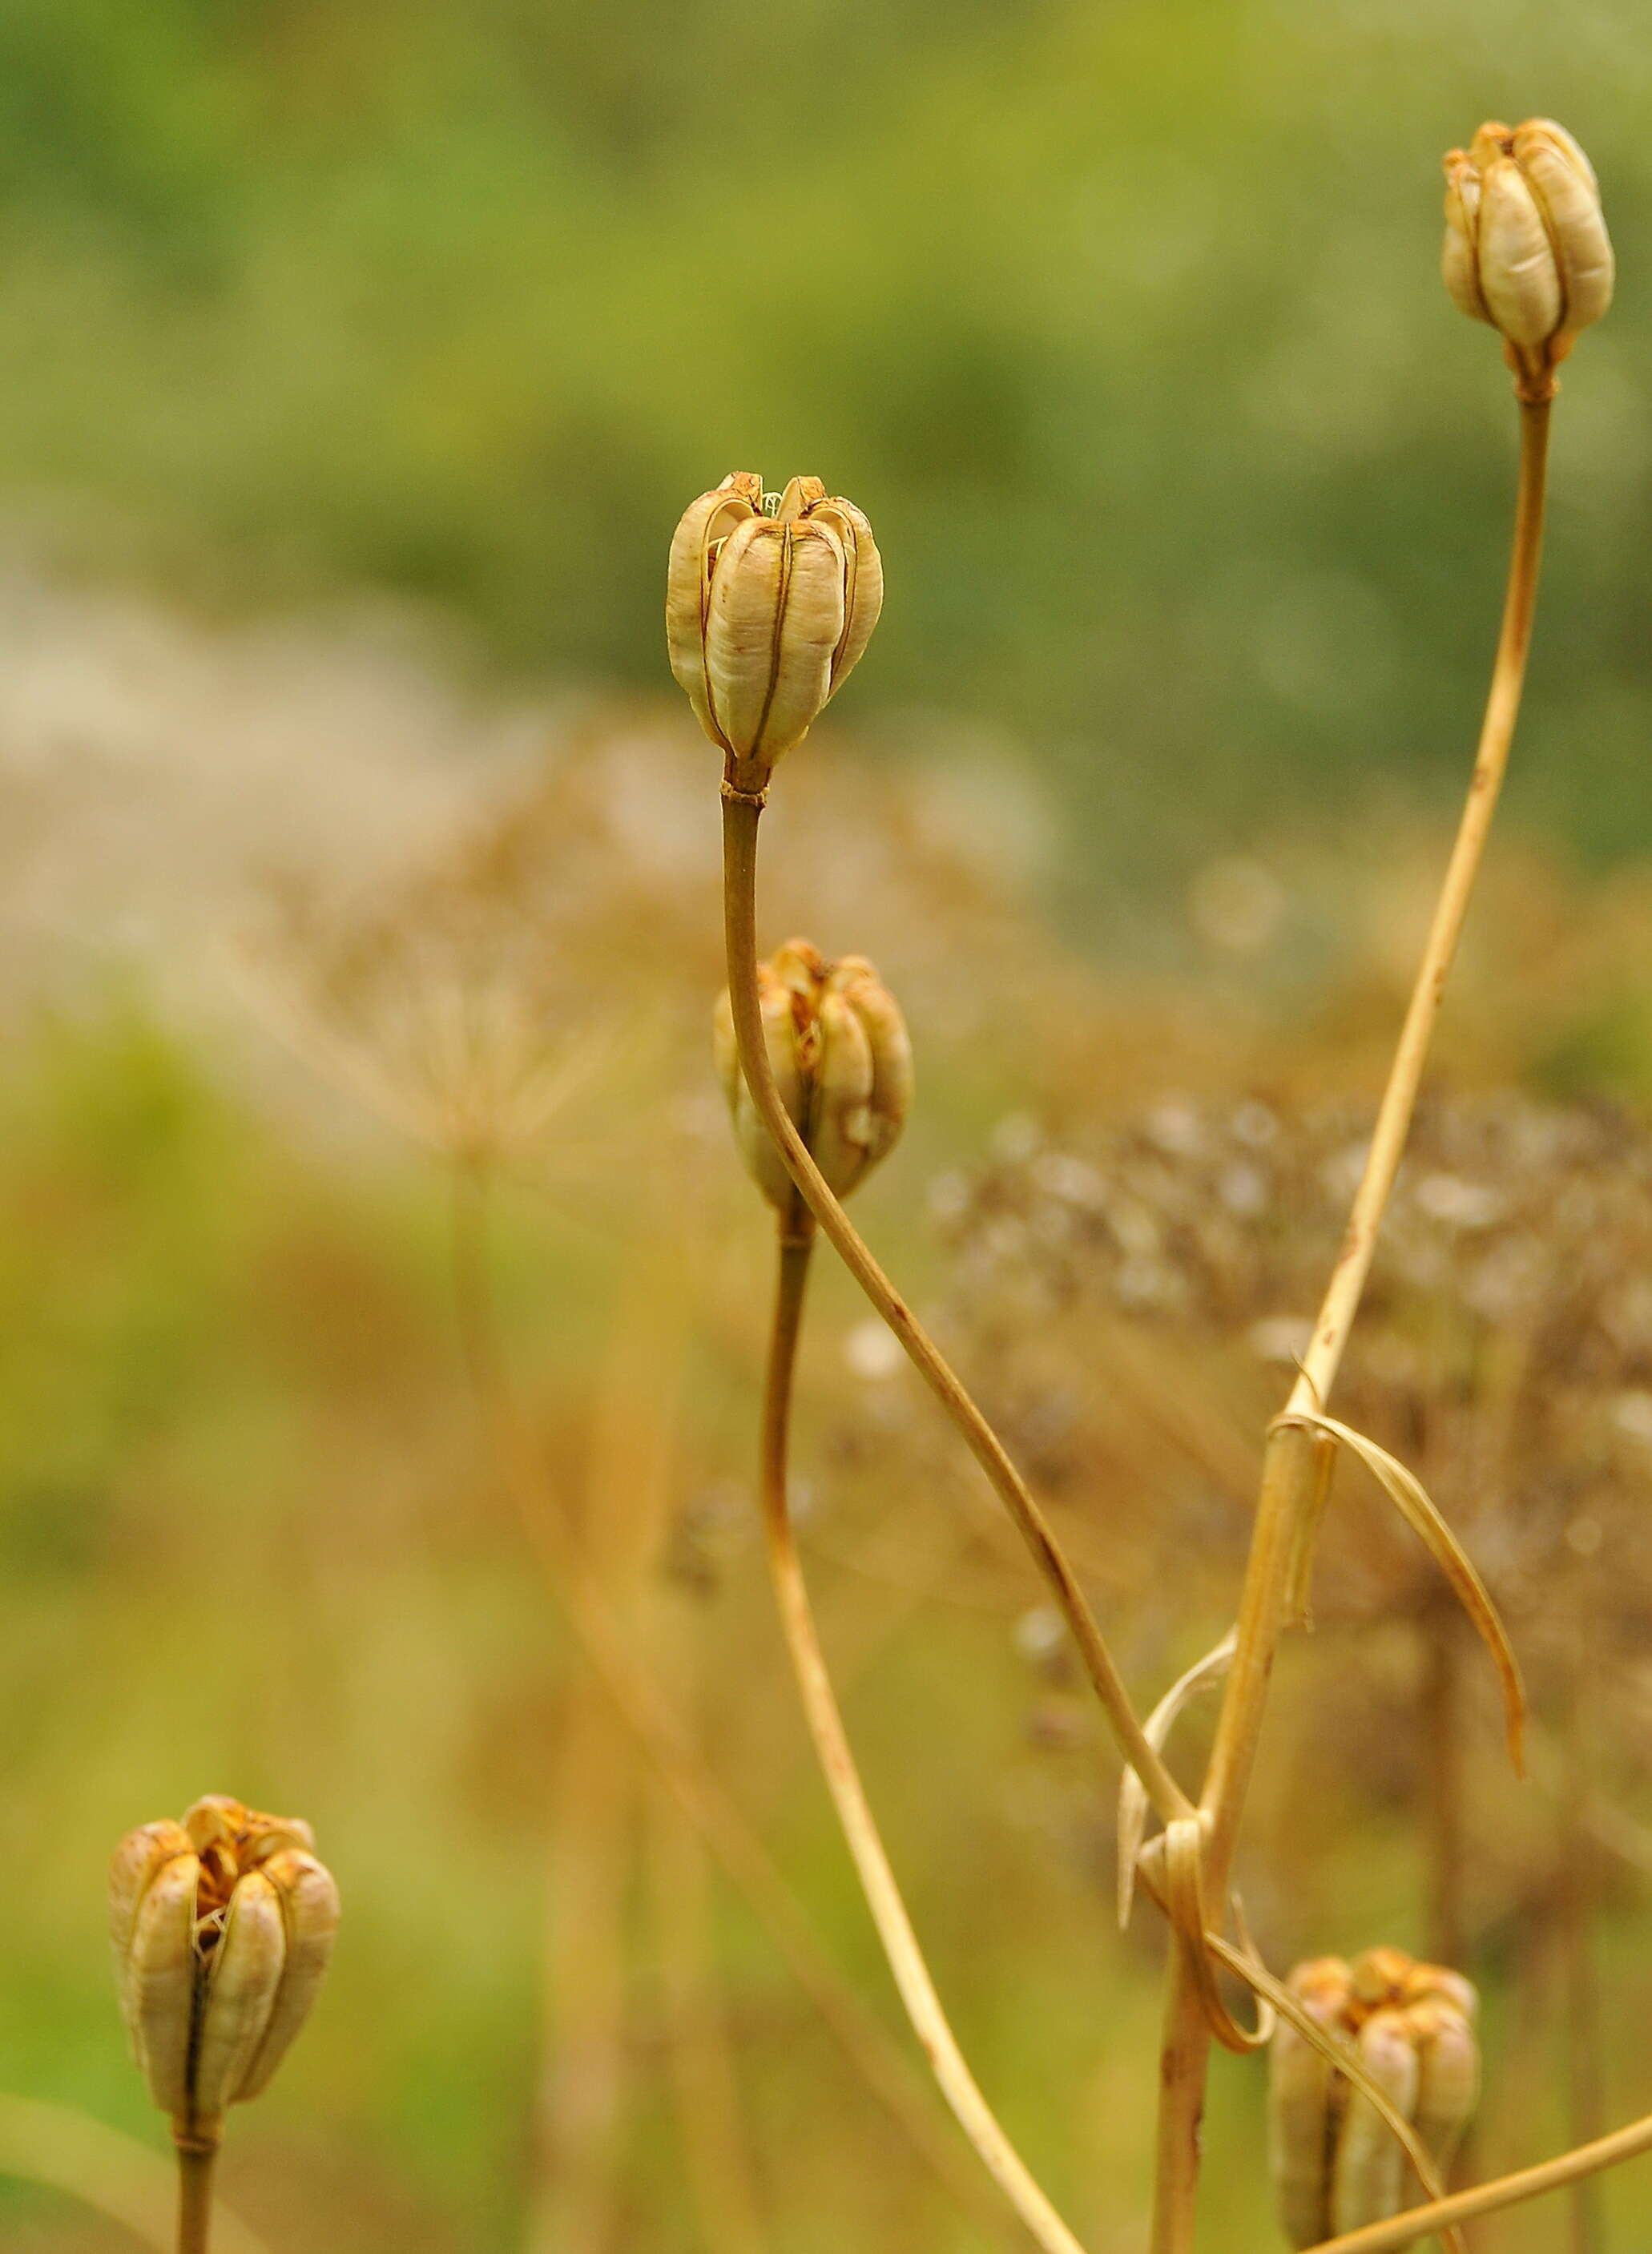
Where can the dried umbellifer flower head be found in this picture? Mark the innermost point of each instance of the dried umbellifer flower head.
(837, 1043)
(222, 1926)
(1526, 244)
(770, 600)
(1335, 2163)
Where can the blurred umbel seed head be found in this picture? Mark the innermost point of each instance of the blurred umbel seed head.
(837, 1043)
(1526, 244)
(1335, 2163)
(770, 600)
(222, 1926)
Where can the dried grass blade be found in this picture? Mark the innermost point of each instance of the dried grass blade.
(1407, 1492)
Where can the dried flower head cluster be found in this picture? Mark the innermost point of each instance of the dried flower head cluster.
(771, 600)
(222, 1926)
(1526, 245)
(838, 1046)
(1335, 2162)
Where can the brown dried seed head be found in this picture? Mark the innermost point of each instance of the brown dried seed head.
(222, 1927)
(1526, 244)
(1304, 2099)
(841, 1060)
(1369, 2170)
(770, 601)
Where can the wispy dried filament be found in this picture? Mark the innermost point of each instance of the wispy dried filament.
(1336, 2164)
(1526, 244)
(842, 1062)
(770, 600)
(222, 1926)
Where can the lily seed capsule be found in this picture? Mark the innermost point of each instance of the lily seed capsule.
(837, 1044)
(221, 1926)
(1526, 244)
(770, 602)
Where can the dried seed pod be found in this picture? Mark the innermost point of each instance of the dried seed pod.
(1304, 2102)
(1526, 244)
(770, 601)
(1369, 2174)
(837, 1044)
(222, 1927)
(1448, 2086)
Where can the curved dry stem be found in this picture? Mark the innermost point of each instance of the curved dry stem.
(741, 817)
(1289, 1480)
(647, 1711)
(866, 1845)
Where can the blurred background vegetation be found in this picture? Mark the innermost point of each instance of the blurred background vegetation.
(355, 364)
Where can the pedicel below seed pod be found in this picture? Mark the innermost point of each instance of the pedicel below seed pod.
(221, 1926)
(1526, 244)
(837, 1045)
(771, 600)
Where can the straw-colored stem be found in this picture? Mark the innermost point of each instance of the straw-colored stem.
(741, 817)
(197, 2160)
(649, 1712)
(1444, 1772)
(1288, 1465)
(1491, 2198)
(860, 1830)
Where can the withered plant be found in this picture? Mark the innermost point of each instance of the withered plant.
(772, 600)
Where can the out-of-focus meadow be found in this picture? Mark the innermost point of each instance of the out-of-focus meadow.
(381, 1303)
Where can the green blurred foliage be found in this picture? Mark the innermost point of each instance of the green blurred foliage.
(1122, 320)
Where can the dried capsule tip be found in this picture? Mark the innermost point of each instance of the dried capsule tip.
(1526, 244)
(1336, 2165)
(837, 1045)
(770, 600)
(221, 1928)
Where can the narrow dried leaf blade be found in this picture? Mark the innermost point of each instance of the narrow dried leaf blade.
(1204, 1674)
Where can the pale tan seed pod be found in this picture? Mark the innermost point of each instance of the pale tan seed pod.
(309, 1905)
(222, 1927)
(1305, 2095)
(1526, 244)
(158, 1991)
(1369, 2172)
(842, 1061)
(770, 602)
(1448, 2083)
(242, 1975)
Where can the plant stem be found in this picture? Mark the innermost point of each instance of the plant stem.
(648, 1710)
(740, 816)
(197, 2159)
(1288, 1464)
(842, 1779)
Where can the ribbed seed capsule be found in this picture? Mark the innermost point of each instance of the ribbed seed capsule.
(770, 601)
(842, 1061)
(1526, 244)
(1305, 2095)
(222, 1927)
(1368, 2175)
(1335, 2162)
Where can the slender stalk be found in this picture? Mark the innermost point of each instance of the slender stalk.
(740, 816)
(1491, 2198)
(650, 1715)
(1443, 1774)
(860, 1830)
(197, 2159)
(1287, 1479)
